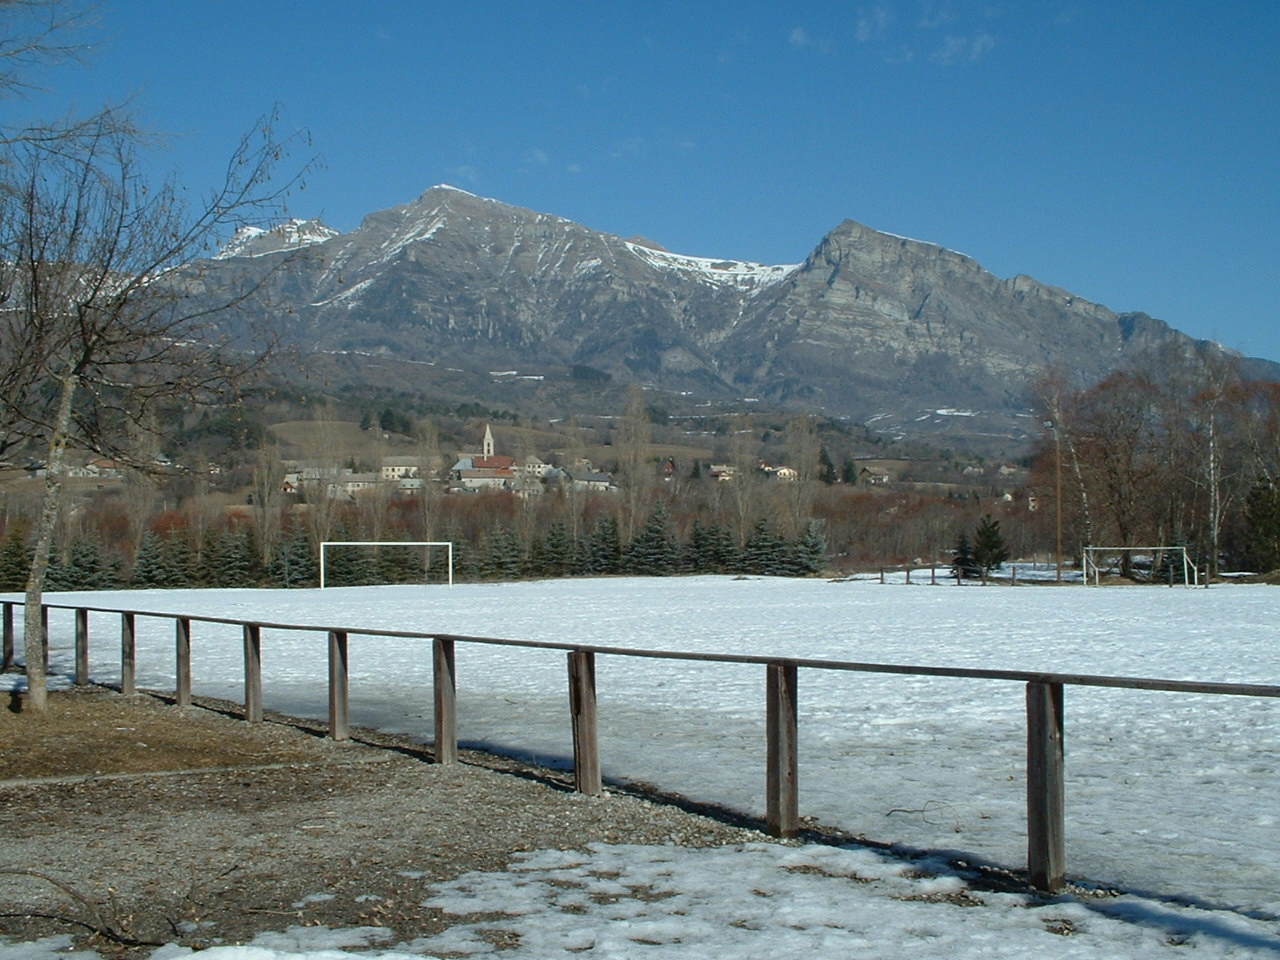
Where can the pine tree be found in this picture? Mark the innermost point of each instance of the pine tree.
(1262, 523)
(15, 561)
(86, 569)
(826, 467)
(557, 552)
(765, 553)
(294, 562)
(963, 565)
(989, 550)
(148, 562)
(653, 552)
(58, 575)
(809, 551)
(178, 561)
(500, 556)
(1169, 567)
(233, 561)
(604, 550)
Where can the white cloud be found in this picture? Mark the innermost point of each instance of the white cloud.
(799, 38)
(962, 49)
(465, 173)
(872, 23)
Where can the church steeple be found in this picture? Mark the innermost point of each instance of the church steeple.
(488, 441)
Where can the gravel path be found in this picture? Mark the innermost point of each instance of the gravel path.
(133, 822)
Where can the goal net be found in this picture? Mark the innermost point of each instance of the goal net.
(370, 561)
(1171, 565)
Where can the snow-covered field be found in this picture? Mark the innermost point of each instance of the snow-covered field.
(1170, 797)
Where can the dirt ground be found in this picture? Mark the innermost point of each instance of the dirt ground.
(131, 822)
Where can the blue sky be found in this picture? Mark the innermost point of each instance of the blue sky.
(1127, 151)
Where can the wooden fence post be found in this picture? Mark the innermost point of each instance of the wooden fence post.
(128, 655)
(445, 682)
(82, 646)
(253, 672)
(582, 705)
(782, 793)
(339, 705)
(183, 679)
(8, 637)
(44, 635)
(1046, 847)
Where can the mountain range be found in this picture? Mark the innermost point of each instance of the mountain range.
(469, 297)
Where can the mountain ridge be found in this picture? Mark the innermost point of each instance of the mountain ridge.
(869, 325)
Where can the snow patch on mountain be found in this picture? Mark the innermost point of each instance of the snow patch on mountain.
(252, 241)
(728, 273)
(348, 298)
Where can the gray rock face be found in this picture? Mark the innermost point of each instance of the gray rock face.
(870, 326)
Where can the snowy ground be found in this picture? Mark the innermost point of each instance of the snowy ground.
(1170, 797)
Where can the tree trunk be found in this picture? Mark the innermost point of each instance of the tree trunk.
(33, 623)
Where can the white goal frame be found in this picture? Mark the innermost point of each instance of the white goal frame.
(1190, 574)
(388, 543)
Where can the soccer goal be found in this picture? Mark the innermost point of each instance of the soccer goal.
(1156, 563)
(425, 544)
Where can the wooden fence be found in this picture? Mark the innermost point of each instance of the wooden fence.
(1044, 707)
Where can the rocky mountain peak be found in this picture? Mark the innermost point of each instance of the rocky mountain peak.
(291, 235)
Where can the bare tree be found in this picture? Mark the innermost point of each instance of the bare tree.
(803, 451)
(635, 474)
(744, 489)
(99, 328)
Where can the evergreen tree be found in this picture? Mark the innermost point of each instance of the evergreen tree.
(350, 566)
(826, 467)
(58, 575)
(294, 562)
(178, 561)
(148, 562)
(500, 556)
(15, 561)
(810, 551)
(963, 565)
(765, 553)
(86, 568)
(1262, 523)
(397, 564)
(233, 561)
(603, 554)
(989, 550)
(555, 553)
(653, 552)
(1169, 568)
(695, 557)
(723, 554)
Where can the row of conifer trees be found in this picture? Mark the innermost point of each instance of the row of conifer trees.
(233, 558)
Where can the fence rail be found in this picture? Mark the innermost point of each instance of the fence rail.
(1045, 790)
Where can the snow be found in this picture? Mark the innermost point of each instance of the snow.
(736, 273)
(289, 235)
(1172, 834)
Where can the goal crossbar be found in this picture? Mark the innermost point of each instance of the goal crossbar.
(448, 544)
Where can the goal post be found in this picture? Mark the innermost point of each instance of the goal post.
(426, 544)
(1096, 560)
